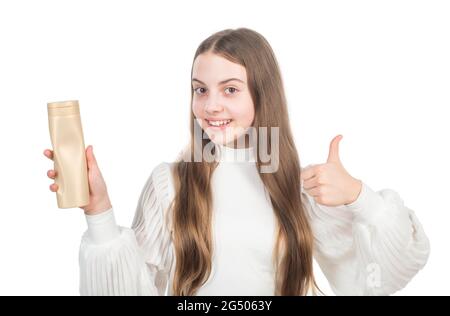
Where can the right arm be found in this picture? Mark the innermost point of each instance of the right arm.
(122, 261)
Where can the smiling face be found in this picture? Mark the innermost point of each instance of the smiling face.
(222, 103)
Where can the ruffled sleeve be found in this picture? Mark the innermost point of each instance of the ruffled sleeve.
(373, 246)
(117, 260)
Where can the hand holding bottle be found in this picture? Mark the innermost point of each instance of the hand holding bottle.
(98, 194)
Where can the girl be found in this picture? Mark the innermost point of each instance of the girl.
(225, 226)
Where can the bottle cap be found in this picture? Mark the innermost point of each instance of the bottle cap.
(63, 108)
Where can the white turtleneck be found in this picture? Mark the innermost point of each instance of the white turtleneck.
(372, 246)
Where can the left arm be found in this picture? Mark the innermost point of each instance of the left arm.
(366, 242)
(373, 246)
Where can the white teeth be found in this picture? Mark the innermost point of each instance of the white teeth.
(219, 123)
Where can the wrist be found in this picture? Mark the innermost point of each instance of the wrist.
(98, 207)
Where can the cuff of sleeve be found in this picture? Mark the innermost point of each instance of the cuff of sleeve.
(102, 227)
(367, 206)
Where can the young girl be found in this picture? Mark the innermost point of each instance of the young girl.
(227, 226)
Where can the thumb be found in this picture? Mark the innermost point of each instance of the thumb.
(333, 155)
(91, 161)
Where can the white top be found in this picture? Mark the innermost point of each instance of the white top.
(372, 246)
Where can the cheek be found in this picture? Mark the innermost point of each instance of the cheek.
(244, 113)
(197, 109)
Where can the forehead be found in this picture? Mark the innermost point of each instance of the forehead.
(212, 68)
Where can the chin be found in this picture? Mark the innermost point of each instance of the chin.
(218, 139)
(221, 138)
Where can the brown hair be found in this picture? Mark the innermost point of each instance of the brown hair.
(192, 205)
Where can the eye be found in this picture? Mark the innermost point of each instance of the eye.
(231, 90)
(198, 91)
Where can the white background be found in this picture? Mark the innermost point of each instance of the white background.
(377, 72)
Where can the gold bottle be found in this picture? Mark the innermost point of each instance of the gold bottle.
(69, 154)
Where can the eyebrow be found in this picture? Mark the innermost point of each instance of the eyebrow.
(222, 82)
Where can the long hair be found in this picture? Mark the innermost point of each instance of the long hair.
(192, 205)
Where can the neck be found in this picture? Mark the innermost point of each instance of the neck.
(235, 154)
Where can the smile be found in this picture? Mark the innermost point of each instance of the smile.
(219, 123)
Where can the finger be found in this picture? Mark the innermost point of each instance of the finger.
(90, 157)
(308, 172)
(311, 183)
(53, 187)
(333, 155)
(51, 174)
(314, 192)
(48, 153)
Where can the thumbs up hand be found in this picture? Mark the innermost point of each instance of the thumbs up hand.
(329, 183)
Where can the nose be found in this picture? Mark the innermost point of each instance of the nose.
(212, 106)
